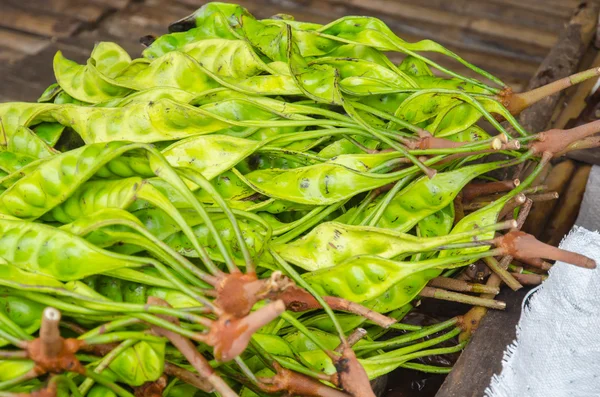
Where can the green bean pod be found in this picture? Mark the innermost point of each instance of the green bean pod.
(210, 155)
(49, 132)
(45, 187)
(140, 363)
(21, 114)
(426, 196)
(85, 83)
(363, 278)
(140, 122)
(331, 243)
(175, 70)
(320, 184)
(119, 290)
(228, 58)
(43, 249)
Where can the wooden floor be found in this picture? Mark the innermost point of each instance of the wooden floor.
(506, 37)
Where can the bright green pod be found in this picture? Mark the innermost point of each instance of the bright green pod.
(364, 162)
(18, 114)
(331, 243)
(43, 249)
(437, 224)
(49, 93)
(426, 196)
(141, 363)
(86, 83)
(101, 391)
(150, 95)
(175, 70)
(50, 133)
(228, 58)
(210, 155)
(11, 162)
(323, 322)
(320, 184)
(252, 232)
(363, 278)
(162, 120)
(44, 187)
(12, 369)
(274, 344)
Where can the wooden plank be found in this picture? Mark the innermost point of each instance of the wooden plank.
(35, 73)
(115, 4)
(590, 156)
(84, 42)
(511, 16)
(442, 18)
(16, 89)
(35, 22)
(82, 10)
(8, 56)
(22, 42)
(541, 7)
(150, 17)
(482, 357)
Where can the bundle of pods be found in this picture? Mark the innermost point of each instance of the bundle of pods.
(250, 207)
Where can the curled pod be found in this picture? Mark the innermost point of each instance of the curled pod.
(175, 70)
(85, 82)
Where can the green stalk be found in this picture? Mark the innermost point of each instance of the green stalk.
(422, 353)
(15, 341)
(106, 382)
(410, 337)
(199, 180)
(121, 336)
(172, 257)
(300, 327)
(431, 369)
(373, 218)
(299, 229)
(87, 384)
(292, 365)
(363, 205)
(13, 327)
(111, 326)
(172, 177)
(291, 272)
(352, 112)
(292, 225)
(36, 293)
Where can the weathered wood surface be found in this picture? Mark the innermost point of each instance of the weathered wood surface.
(482, 358)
